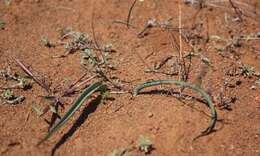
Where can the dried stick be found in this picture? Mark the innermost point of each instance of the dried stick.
(76, 85)
(238, 12)
(181, 58)
(28, 72)
(129, 13)
(71, 87)
(180, 38)
(123, 22)
(93, 28)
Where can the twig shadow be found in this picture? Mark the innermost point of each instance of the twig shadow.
(92, 106)
(175, 94)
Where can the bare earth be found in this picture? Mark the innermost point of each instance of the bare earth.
(170, 123)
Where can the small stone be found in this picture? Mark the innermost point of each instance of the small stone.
(253, 87)
(150, 115)
(258, 131)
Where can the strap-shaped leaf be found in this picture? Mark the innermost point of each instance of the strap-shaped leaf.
(74, 107)
(191, 86)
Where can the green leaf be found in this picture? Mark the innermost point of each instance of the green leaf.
(74, 107)
(191, 86)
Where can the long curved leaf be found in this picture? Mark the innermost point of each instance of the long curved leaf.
(74, 107)
(191, 86)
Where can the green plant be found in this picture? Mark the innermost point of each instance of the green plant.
(8, 94)
(78, 41)
(10, 98)
(145, 144)
(191, 86)
(74, 107)
(24, 83)
(248, 71)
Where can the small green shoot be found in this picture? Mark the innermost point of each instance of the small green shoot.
(24, 83)
(145, 145)
(88, 55)
(248, 71)
(79, 41)
(74, 107)
(8, 94)
(10, 98)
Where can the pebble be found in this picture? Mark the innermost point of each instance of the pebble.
(150, 115)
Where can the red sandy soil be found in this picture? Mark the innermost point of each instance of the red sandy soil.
(169, 123)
